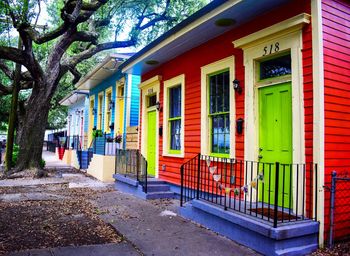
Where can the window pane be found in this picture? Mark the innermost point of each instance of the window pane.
(220, 134)
(226, 92)
(152, 100)
(219, 93)
(276, 67)
(175, 135)
(175, 102)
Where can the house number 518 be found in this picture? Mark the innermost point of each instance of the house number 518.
(272, 48)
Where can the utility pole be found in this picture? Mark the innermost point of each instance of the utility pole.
(13, 114)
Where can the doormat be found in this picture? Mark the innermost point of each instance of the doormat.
(271, 214)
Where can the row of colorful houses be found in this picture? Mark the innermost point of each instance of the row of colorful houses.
(244, 102)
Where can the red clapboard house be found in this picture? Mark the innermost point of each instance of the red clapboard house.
(245, 113)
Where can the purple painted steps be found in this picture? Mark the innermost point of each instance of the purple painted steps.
(156, 188)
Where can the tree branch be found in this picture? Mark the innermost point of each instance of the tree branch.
(5, 90)
(76, 59)
(7, 71)
(76, 75)
(12, 54)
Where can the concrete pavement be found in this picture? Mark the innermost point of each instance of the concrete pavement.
(148, 227)
(123, 248)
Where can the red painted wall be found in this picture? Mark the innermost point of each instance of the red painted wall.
(190, 63)
(336, 40)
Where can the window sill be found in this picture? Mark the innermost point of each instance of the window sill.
(180, 155)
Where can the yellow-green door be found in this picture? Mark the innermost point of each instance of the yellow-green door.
(151, 143)
(120, 108)
(275, 140)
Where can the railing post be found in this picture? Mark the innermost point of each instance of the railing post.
(275, 217)
(182, 185)
(146, 177)
(138, 164)
(331, 218)
(198, 173)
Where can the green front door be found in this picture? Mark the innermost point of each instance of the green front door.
(151, 143)
(275, 140)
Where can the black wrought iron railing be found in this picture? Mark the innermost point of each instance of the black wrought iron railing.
(131, 163)
(274, 192)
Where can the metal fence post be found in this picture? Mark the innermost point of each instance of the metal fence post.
(275, 217)
(331, 218)
(138, 164)
(182, 185)
(198, 174)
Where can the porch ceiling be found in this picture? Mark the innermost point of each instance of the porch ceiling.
(102, 71)
(73, 97)
(196, 30)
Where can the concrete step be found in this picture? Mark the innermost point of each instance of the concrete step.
(157, 187)
(155, 181)
(159, 195)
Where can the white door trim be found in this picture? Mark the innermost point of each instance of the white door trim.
(149, 87)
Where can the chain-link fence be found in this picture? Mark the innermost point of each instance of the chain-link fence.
(339, 219)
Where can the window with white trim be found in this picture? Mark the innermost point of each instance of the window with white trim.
(173, 120)
(218, 109)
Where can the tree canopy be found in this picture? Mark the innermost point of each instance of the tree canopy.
(142, 21)
(46, 46)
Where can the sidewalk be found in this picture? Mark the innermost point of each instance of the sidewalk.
(52, 161)
(156, 229)
(123, 248)
(148, 227)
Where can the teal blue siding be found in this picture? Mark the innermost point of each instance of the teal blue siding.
(132, 100)
(86, 115)
(111, 81)
(135, 101)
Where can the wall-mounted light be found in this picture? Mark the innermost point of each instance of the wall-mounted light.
(111, 105)
(236, 86)
(239, 125)
(158, 107)
(77, 112)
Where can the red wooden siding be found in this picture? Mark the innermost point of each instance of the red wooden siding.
(221, 47)
(336, 40)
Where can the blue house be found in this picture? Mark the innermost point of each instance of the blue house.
(113, 113)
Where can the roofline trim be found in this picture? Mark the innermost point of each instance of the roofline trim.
(99, 66)
(198, 18)
(291, 24)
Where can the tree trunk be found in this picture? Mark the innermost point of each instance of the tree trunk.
(31, 136)
(13, 111)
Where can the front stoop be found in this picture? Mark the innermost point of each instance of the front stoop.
(288, 239)
(156, 189)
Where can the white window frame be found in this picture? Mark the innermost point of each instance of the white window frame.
(168, 84)
(227, 63)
